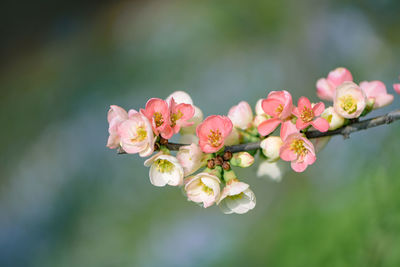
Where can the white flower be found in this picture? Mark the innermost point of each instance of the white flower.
(273, 170)
(237, 198)
(335, 120)
(190, 158)
(261, 116)
(203, 188)
(241, 115)
(180, 97)
(270, 147)
(259, 109)
(164, 169)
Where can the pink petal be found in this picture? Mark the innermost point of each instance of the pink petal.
(340, 75)
(268, 126)
(286, 153)
(318, 108)
(320, 124)
(303, 102)
(300, 125)
(396, 87)
(287, 129)
(325, 89)
(299, 166)
(383, 100)
(270, 106)
(310, 158)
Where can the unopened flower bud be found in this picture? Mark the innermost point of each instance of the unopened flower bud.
(163, 141)
(210, 164)
(335, 120)
(242, 159)
(270, 147)
(218, 160)
(226, 166)
(227, 155)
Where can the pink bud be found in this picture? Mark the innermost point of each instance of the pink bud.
(326, 87)
(241, 115)
(396, 87)
(377, 93)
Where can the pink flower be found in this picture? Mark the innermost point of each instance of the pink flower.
(116, 115)
(326, 87)
(376, 92)
(136, 135)
(212, 133)
(180, 114)
(396, 87)
(158, 113)
(299, 150)
(241, 115)
(279, 106)
(350, 100)
(306, 114)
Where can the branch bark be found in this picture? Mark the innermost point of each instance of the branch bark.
(344, 131)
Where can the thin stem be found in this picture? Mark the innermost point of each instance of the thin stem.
(344, 131)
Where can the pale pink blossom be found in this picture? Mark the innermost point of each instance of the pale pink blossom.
(164, 169)
(308, 115)
(236, 197)
(116, 115)
(260, 116)
(190, 158)
(299, 151)
(241, 115)
(350, 100)
(158, 113)
(203, 188)
(180, 114)
(136, 135)
(212, 133)
(279, 106)
(326, 87)
(376, 92)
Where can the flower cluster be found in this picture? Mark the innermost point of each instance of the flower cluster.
(204, 167)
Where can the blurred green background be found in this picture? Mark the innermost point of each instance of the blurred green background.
(67, 200)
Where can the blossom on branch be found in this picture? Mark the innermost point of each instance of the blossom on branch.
(164, 169)
(326, 87)
(376, 92)
(236, 197)
(212, 133)
(241, 115)
(203, 188)
(307, 115)
(350, 100)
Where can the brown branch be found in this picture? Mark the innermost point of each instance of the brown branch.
(344, 131)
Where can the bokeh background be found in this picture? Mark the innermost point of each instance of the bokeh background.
(67, 200)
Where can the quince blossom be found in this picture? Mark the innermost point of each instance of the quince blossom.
(164, 169)
(190, 158)
(241, 115)
(158, 113)
(326, 87)
(115, 116)
(203, 188)
(136, 135)
(212, 133)
(377, 93)
(236, 197)
(306, 115)
(279, 106)
(350, 100)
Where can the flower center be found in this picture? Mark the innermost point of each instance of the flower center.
(348, 104)
(207, 190)
(175, 117)
(164, 165)
(298, 147)
(214, 138)
(236, 197)
(279, 109)
(158, 119)
(307, 114)
(141, 134)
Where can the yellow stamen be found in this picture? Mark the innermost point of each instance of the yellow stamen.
(158, 119)
(207, 190)
(175, 117)
(236, 197)
(214, 138)
(279, 109)
(307, 114)
(141, 134)
(164, 165)
(298, 147)
(348, 104)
